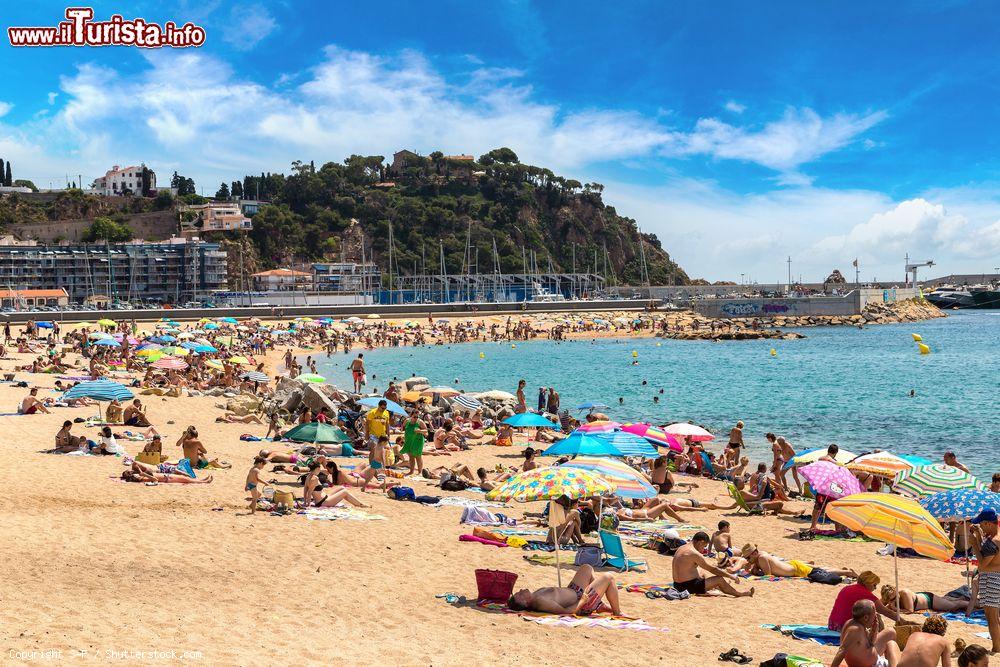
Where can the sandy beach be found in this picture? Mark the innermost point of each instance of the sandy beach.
(100, 570)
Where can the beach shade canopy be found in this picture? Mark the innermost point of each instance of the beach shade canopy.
(413, 396)
(813, 455)
(149, 350)
(215, 363)
(529, 420)
(629, 444)
(598, 426)
(107, 323)
(240, 360)
(44, 325)
(204, 349)
(590, 405)
(228, 320)
(175, 351)
(883, 464)
(373, 316)
(317, 432)
(830, 479)
(392, 406)
(552, 483)
(655, 435)
(107, 342)
(684, 430)
(467, 402)
(628, 481)
(960, 504)
(187, 335)
(99, 390)
(255, 376)
(892, 519)
(921, 481)
(170, 363)
(582, 444)
(211, 325)
(446, 392)
(163, 339)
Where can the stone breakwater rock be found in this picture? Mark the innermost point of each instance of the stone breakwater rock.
(745, 334)
(911, 310)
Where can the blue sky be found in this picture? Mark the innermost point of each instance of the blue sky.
(740, 133)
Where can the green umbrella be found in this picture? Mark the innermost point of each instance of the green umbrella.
(311, 377)
(318, 432)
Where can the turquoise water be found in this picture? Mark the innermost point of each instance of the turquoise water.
(840, 384)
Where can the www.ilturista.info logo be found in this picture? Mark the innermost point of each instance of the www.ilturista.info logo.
(81, 30)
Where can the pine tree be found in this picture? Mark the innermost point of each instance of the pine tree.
(222, 192)
(3, 181)
(237, 189)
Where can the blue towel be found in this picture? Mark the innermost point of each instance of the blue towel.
(978, 617)
(814, 633)
(184, 465)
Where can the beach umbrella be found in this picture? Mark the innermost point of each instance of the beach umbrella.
(552, 483)
(467, 402)
(215, 363)
(205, 349)
(354, 320)
(629, 482)
(655, 435)
(107, 342)
(244, 360)
(163, 339)
(413, 396)
(255, 376)
(317, 432)
(227, 320)
(84, 325)
(629, 444)
(189, 344)
(99, 390)
(107, 323)
(599, 426)
(44, 325)
(496, 395)
(961, 505)
(175, 351)
(684, 430)
(529, 420)
(446, 392)
(148, 351)
(830, 479)
(813, 455)
(894, 520)
(392, 406)
(311, 378)
(211, 325)
(581, 443)
(99, 334)
(883, 464)
(921, 481)
(187, 335)
(170, 363)
(589, 405)
(373, 316)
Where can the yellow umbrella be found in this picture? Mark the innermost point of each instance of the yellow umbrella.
(107, 323)
(413, 396)
(215, 363)
(239, 360)
(373, 316)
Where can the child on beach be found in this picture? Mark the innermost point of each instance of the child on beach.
(254, 482)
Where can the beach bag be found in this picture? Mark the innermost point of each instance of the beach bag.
(284, 498)
(402, 493)
(494, 585)
(588, 556)
(454, 485)
(588, 520)
(903, 631)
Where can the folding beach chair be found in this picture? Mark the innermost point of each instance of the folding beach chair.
(614, 553)
(741, 503)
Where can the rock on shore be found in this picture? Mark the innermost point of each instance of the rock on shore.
(910, 310)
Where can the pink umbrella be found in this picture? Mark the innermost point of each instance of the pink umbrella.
(655, 435)
(830, 479)
(684, 430)
(598, 426)
(170, 363)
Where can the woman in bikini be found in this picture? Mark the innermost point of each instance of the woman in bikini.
(911, 603)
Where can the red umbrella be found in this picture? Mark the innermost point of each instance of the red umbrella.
(655, 435)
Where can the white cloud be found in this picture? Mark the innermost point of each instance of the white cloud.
(52, 97)
(735, 107)
(247, 26)
(5, 108)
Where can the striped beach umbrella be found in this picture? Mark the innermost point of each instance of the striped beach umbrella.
(629, 444)
(99, 390)
(684, 430)
(170, 363)
(598, 426)
(628, 481)
(311, 378)
(255, 376)
(655, 435)
(467, 402)
(893, 519)
(883, 464)
(446, 392)
(921, 481)
(581, 443)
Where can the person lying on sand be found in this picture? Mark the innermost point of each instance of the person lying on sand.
(141, 472)
(687, 565)
(582, 597)
(910, 602)
(861, 642)
(761, 563)
(649, 513)
(233, 418)
(928, 648)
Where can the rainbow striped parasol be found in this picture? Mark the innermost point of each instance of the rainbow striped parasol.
(883, 464)
(893, 519)
(551, 483)
(921, 481)
(629, 481)
(598, 426)
(655, 435)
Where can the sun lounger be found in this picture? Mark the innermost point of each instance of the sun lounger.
(614, 553)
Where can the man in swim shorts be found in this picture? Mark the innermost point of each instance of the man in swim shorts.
(861, 643)
(582, 597)
(761, 563)
(688, 563)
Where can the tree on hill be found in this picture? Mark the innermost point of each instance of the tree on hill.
(237, 189)
(223, 192)
(106, 229)
(7, 178)
(23, 182)
(184, 186)
(501, 155)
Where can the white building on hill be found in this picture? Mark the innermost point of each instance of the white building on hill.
(119, 180)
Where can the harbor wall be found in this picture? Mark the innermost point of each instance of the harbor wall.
(833, 306)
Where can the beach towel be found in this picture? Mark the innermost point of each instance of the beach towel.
(601, 620)
(519, 530)
(481, 540)
(978, 617)
(336, 513)
(459, 501)
(246, 437)
(541, 559)
(819, 634)
(538, 545)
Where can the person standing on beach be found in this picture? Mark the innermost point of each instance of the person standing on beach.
(735, 443)
(983, 534)
(358, 372)
(414, 435)
(522, 403)
(377, 422)
(542, 399)
(553, 403)
(254, 482)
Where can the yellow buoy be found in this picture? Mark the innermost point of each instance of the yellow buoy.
(916, 338)
(482, 355)
(513, 347)
(774, 352)
(659, 344)
(635, 354)
(923, 348)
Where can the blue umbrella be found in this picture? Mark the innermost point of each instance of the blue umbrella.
(392, 406)
(960, 504)
(99, 390)
(107, 342)
(211, 325)
(228, 320)
(629, 444)
(915, 460)
(204, 349)
(44, 325)
(166, 338)
(590, 405)
(581, 443)
(529, 419)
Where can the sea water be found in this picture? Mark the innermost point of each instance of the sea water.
(839, 385)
